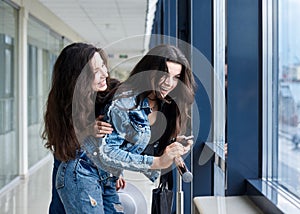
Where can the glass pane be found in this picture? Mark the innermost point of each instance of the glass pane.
(8, 69)
(43, 47)
(289, 95)
(32, 86)
(8, 137)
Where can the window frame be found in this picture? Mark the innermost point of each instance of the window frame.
(270, 188)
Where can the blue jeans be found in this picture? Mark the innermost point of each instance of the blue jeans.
(83, 188)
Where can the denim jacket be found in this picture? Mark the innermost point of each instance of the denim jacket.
(122, 149)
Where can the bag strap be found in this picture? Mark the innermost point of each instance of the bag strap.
(167, 178)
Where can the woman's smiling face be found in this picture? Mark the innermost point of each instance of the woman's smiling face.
(100, 72)
(168, 82)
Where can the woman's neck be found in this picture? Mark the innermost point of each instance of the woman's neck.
(153, 104)
(152, 96)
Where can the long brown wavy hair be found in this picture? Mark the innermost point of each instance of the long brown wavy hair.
(178, 102)
(59, 130)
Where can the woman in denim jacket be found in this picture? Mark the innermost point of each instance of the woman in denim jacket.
(149, 109)
(79, 185)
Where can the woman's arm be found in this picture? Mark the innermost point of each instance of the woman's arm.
(172, 151)
(121, 149)
(132, 127)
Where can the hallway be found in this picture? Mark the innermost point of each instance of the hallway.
(32, 195)
(29, 196)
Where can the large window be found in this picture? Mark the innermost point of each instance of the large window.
(8, 94)
(43, 47)
(282, 103)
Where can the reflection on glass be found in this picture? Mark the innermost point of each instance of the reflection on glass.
(8, 135)
(43, 47)
(289, 96)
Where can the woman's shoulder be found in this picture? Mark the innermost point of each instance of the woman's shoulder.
(124, 99)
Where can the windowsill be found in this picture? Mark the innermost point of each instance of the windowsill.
(271, 199)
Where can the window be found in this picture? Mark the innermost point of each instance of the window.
(43, 47)
(8, 94)
(282, 104)
(33, 117)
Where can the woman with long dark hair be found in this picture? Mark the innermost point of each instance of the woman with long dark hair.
(80, 80)
(149, 110)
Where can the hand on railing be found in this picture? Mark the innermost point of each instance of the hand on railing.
(185, 173)
(187, 142)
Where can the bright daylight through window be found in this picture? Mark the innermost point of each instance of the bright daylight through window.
(286, 166)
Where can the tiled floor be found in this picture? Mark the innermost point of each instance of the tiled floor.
(32, 195)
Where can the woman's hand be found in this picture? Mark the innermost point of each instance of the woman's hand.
(225, 149)
(120, 183)
(173, 150)
(101, 128)
(185, 140)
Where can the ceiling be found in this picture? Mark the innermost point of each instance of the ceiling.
(117, 25)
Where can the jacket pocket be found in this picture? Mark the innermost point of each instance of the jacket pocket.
(138, 120)
(85, 168)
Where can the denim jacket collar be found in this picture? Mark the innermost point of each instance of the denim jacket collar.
(145, 103)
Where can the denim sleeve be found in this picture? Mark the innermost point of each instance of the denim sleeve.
(113, 151)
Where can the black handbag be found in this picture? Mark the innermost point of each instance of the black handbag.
(162, 200)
